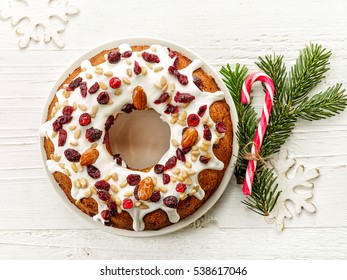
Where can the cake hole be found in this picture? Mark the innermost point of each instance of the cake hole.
(141, 138)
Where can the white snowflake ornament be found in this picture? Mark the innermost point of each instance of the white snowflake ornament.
(296, 189)
(28, 15)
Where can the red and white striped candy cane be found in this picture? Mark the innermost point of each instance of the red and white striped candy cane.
(264, 119)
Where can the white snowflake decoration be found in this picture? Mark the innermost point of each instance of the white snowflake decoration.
(28, 15)
(297, 189)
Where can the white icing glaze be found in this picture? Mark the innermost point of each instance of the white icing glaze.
(105, 162)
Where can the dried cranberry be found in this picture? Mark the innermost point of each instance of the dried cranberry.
(109, 122)
(72, 155)
(74, 84)
(115, 82)
(127, 54)
(93, 134)
(83, 89)
(133, 179)
(102, 185)
(221, 127)
(93, 172)
(58, 123)
(136, 192)
(106, 139)
(186, 150)
(180, 155)
(175, 64)
(84, 119)
(197, 81)
(162, 98)
(149, 57)
(171, 201)
(171, 162)
(111, 205)
(118, 159)
(155, 197)
(68, 110)
(103, 195)
(171, 109)
(166, 178)
(103, 98)
(172, 70)
(193, 120)
(207, 133)
(159, 168)
(181, 97)
(137, 68)
(106, 214)
(128, 108)
(182, 79)
(181, 187)
(65, 119)
(62, 137)
(202, 110)
(127, 203)
(172, 54)
(204, 159)
(94, 88)
(113, 57)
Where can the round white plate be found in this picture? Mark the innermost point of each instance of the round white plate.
(229, 170)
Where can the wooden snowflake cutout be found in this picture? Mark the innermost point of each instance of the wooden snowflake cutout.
(296, 188)
(29, 15)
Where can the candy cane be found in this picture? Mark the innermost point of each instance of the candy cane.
(264, 120)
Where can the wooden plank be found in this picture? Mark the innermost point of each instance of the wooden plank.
(206, 243)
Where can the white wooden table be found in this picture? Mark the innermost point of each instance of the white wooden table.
(35, 224)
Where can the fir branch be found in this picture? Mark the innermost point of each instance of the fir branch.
(264, 193)
(234, 79)
(322, 105)
(307, 72)
(290, 104)
(273, 66)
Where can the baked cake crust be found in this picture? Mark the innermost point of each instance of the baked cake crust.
(209, 179)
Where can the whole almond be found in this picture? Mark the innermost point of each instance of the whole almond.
(89, 157)
(145, 189)
(189, 137)
(139, 98)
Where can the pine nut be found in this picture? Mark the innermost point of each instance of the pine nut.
(108, 177)
(175, 142)
(103, 86)
(74, 167)
(123, 184)
(163, 81)
(89, 76)
(129, 72)
(77, 134)
(108, 74)
(128, 193)
(114, 188)
(158, 68)
(82, 107)
(143, 70)
(149, 65)
(118, 91)
(114, 176)
(126, 81)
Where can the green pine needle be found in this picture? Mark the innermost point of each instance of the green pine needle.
(264, 193)
(291, 103)
(322, 105)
